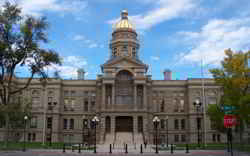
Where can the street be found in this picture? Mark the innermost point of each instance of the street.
(75, 153)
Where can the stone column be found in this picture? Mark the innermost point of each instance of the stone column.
(135, 124)
(103, 97)
(144, 97)
(135, 97)
(113, 97)
(112, 124)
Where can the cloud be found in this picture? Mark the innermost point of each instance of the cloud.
(69, 67)
(155, 58)
(93, 45)
(214, 37)
(78, 38)
(38, 7)
(164, 10)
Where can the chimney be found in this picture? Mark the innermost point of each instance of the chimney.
(167, 74)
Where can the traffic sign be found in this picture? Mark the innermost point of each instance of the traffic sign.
(228, 108)
(230, 120)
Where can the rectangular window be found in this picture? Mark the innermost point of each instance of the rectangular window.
(92, 105)
(176, 124)
(85, 123)
(183, 124)
(73, 103)
(183, 138)
(49, 122)
(213, 125)
(71, 126)
(34, 137)
(214, 137)
(65, 123)
(176, 138)
(29, 137)
(2, 123)
(162, 124)
(162, 106)
(33, 122)
(218, 137)
(86, 106)
(73, 93)
(66, 93)
(181, 105)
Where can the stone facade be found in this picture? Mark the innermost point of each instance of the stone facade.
(124, 98)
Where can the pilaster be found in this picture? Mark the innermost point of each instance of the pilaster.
(144, 97)
(135, 97)
(103, 97)
(113, 97)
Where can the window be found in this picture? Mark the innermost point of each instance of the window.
(49, 122)
(162, 105)
(85, 123)
(73, 103)
(71, 126)
(92, 105)
(2, 123)
(182, 105)
(214, 137)
(29, 136)
(183, 124)
(176, 124)
(218, 137)
(162, 124)
(73, 93)
(66, 93)
(34, 137)
(176, 138)
(86, 109)
(65, 123)
(33, 122)
(175, 105)
(183, 138)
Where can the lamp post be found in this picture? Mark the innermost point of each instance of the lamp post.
(95, 120)
(84, 124)
(24, 132)
(167, 128)
(156, 121)
(198, 104)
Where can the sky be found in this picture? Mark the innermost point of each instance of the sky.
(184, 36)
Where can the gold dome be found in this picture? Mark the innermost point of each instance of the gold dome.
(124, 22)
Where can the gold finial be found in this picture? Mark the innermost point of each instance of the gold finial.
(124, 14)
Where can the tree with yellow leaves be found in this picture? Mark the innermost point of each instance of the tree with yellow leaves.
(234, 78)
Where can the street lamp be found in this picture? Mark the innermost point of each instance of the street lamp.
(24, 132)
(156, 121)
(167, 128)
(95, 120)
(84, 124)
(198, 104)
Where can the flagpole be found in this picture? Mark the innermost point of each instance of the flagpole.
(203, 101)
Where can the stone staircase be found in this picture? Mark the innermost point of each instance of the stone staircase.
(109, 138)
(138, 139)
(124, 138)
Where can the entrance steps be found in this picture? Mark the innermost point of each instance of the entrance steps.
(109, 139)
(138, 139)
(124, 138)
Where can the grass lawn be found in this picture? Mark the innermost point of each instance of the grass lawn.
(37, 145)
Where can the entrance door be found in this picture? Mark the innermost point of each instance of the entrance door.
(124, 124)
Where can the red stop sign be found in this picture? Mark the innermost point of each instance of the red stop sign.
(230, 120)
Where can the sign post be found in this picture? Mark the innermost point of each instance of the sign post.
(229, 121)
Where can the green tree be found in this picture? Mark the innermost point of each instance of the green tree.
(20, 47)
(234, 79)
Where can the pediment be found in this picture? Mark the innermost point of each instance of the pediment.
(124, 62)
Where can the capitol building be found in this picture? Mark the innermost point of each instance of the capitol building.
(125, 99)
